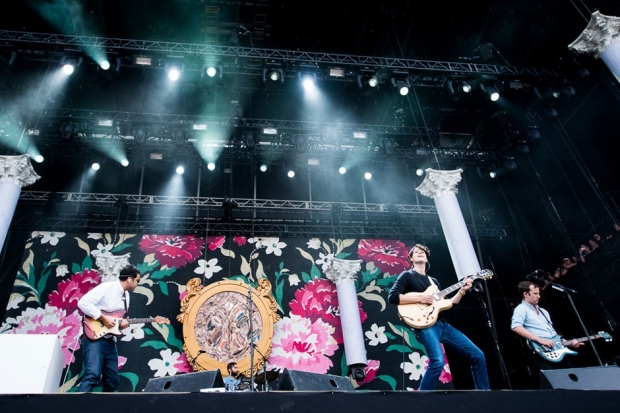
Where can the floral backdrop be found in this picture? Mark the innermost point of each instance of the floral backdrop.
(59, 268)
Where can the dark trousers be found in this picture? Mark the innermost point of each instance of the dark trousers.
(100, 365)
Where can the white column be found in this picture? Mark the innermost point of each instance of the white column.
(600, 38)
(15, 173)
(441, 186)
(110, 265)
(343, 274)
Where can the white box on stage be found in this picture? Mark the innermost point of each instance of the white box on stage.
(30, 363)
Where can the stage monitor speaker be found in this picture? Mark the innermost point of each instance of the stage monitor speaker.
(295, 380)
(587, 378)
(189, 382)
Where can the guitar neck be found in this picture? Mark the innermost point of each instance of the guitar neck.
(581, 339)
(141, 320)
(452, 288)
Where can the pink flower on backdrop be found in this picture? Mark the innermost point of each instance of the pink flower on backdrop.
(172, 250)
(371, 372)
(446, 375)
(319, 300)
(51, 320)
(71, 290)
(388, 255)
(215, 242)
(302, 344)
(240, 241)
(121, 361)
(182, 365)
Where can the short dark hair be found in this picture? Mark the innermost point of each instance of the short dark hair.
(424, 248)
(128, 271)
(524, 287)
(230, 365)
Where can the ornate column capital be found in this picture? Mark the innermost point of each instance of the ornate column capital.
(18, 170)
(438, 183)
(600, 33)
(343, 271)
(110, 265)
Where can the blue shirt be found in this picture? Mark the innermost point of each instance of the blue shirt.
(539, 323)
(230, 383)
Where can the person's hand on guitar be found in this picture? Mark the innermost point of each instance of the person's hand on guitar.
(575, 344)
(124, 324)
(425, 299)
(545, 342)
(468, 284)
(107, 320)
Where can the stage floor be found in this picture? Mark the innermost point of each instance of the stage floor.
(504, 401)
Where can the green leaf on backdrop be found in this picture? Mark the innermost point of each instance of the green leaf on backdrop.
(343, 255)
(145, 267)
(163, 286)
(305, 277)
(132, 377)
(167, 333)
(75, 268)
(390, 336)
(398, 347)
(344, 368)
(389, 380)
(147, 331)
(158, 275)
(157, 345)
(87, 263)
(121, 247)
(314, 272)
(386, 281)
(279, 289)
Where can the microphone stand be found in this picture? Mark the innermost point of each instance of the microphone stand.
(478, 289)
(251, 333)
(193, 360)
(568, 292)
(8, 327)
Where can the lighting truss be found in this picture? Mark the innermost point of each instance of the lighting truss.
(275, 55)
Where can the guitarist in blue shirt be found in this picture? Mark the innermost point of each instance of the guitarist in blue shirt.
(416, 280)
(534, 324)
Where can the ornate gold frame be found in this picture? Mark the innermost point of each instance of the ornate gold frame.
(198, 295)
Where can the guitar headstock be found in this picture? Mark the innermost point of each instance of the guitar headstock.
(482, 275)
(162, 320)
(605, 336)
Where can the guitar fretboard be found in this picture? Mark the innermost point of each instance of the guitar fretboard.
(141, 320)
(580, 340)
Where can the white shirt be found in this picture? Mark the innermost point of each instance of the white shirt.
(109, 297)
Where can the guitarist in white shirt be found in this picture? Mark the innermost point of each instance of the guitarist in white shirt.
(534, 323)
(101, 356)
(416, 280)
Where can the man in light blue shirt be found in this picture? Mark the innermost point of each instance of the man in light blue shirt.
(534, 323)
(232, 380)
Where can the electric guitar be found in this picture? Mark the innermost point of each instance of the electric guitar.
(559, 349)
(95, 329)
(420, 315)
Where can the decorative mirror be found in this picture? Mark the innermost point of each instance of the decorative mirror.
(216, 324)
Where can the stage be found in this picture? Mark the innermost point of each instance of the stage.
(506, 401)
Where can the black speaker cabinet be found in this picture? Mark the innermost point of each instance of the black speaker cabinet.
(587, 378)
(189, 382)
(295, 380)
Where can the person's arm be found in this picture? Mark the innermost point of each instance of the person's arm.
(461, 293)
(523, 332)
(397, 293)
(89, 306)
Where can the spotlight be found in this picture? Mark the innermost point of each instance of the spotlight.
(273, 75)
(211, 166)
(492, 174)
(174, 70)
(125, 162)
(389, 145)
(39, 158)
(419, 172)
(373, 82)
(179, 135)
(401, 85)
(105, 65)
(291, 173)
(141, 133)
(494, 96)
(68, 129)
(96, 166)
(307, 80)
(180, 170)
(491, 92)
(342, 170)
(263, 168)
(466, 87)
(69, 64)
(367, 176)
(249, 139)
(211, 71)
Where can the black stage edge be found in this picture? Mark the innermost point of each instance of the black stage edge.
(504, 401)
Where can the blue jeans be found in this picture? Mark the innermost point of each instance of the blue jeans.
(100, 364)
(442, 332)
